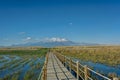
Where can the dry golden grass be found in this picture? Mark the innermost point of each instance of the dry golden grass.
(109, 55)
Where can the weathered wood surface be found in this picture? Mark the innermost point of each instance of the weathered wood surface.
(56, 70)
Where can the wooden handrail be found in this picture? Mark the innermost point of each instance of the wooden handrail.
(80, 68)
(43, 73)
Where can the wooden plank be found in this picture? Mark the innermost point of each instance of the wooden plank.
(56, 70)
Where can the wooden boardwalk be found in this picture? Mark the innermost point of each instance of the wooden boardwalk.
(56, 70)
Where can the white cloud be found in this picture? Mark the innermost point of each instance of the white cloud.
(53, 39)
(21, 33)
(6, 39)
(27, 39)
(70, 23)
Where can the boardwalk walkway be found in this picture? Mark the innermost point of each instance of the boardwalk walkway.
(56, 70)
(53, 69)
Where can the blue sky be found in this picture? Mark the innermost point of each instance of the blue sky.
(94, 21)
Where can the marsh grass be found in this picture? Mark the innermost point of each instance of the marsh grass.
(108, 55)
(27, 56)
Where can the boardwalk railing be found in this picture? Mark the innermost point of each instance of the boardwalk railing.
(81, 71)
(43, 75)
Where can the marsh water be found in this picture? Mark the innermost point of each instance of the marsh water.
(102, 68)
(19, 66)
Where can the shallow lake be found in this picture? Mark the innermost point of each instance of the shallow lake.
(19, 66)
(102, 68)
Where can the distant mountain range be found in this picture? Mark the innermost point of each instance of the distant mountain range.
(53, 42)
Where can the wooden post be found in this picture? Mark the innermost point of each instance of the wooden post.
(45, 68)
(44, 77)
(46, 71)
(70, 65)
(65, 61)
(44, 74)
(77, 70)
(85, 72)
(115, 78)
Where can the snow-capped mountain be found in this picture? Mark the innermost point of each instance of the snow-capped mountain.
(52, 42)
(56, 39)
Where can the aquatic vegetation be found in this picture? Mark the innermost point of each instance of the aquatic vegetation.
(23, 64)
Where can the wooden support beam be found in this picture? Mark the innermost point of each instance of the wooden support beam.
(85, 72)
(70, 65)
(77, 63)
